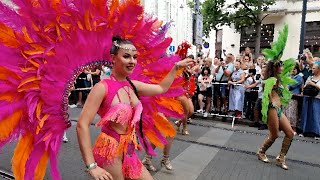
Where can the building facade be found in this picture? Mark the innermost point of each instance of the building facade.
(176, 11)
(283, 12)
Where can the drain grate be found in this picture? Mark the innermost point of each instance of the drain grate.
(6, 175)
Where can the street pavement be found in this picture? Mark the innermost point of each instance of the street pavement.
(213, 150)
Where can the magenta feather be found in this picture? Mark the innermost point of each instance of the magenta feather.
(33, 161)
(9, 17)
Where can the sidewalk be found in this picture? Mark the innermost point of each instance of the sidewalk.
(213, 150)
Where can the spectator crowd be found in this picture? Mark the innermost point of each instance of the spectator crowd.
(234, 85)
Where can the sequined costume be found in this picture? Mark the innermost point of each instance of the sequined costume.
(189, 83)
(110, 144)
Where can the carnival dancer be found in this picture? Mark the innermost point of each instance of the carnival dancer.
(46, 45)
(120, 109)
(165, 161)
(275, 95)
(189, 86)
(184, 100)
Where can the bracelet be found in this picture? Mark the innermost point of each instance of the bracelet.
(91, 166)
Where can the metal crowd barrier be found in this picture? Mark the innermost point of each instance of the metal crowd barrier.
(82, 89)
(227, 96)
(212, 114)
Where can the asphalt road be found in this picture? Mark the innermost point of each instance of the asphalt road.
(213, 150)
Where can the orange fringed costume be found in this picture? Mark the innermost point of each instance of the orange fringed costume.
(110, 144)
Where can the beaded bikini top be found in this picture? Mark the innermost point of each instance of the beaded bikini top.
(121, 112)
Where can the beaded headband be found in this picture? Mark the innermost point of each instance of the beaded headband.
(115, 43)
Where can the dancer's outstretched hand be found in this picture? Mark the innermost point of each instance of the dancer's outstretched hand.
(100, 174)
(185, 63)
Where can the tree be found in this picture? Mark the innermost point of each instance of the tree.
(242, 13)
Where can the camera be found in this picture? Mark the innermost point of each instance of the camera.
(258, 76)
(302, 57)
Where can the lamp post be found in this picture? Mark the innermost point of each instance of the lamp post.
(182, 23)
(303, 26)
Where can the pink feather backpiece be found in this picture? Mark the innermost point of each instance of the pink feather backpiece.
(45, 45)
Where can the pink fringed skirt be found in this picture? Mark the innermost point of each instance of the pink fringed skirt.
(110, 145)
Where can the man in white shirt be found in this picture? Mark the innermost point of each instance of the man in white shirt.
(222, 75)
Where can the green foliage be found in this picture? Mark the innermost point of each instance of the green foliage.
(191, 4)
(278, 46)
(213, 15)
(286, 80)
(288, 66)
(242, 13)
(268, 85)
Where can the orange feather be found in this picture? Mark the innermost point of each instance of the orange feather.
(49, 26)
(28, 80)
(4, 73)
(7, 97)
(87, 22)
(21, 154)
(33, 51)
(41, 167)
(41, 123)
(80, 26)
(8, 37)
(164, 126)
(26, 69)
(171, 104)
(29, 87)
(55, 4)
(35, 27)
(151, 135)
(99, 4)
(113, 7)
(8, 124)
(38, 109)
(27, 38)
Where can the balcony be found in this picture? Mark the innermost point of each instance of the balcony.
(279, 8)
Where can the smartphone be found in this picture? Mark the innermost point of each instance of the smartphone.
(253, 71)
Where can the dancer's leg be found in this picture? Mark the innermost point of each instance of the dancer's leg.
(286, 127)
(273, 126)
(188, 111)
(145, 175)
(147, 161)
(64, 138)
(115, 169)
(166, 153)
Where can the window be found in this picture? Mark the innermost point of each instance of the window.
(248, 36)
(312, 37)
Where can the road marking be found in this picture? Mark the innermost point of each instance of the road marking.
(191, 162)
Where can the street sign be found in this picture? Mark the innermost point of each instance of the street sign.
(172, 48)
(206, 45)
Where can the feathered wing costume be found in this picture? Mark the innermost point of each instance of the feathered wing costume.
(45, 45)
(189, 79)
(274, 54)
